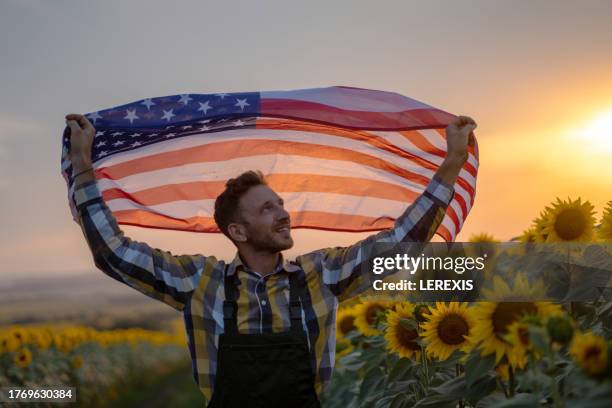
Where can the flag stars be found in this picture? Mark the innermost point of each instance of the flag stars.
(152, 135)
(101, 143)
(185, 98)
(169, 135)
(117, 134)
(135, 134)
(118, 143)
(222, 95)
(238, 123)
(168, 115)
(241, 103)
(204, 107)
(204, 128)
(103, 153)
(131, 115)
(100, 133)
(136, 144)
(187, 127)
(94, 116)
(148, 103)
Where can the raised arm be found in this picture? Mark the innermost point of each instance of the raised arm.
(341, 268)
(156, 273)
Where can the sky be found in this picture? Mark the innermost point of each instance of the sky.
(535, 75)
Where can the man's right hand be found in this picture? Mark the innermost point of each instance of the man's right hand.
(82, 134)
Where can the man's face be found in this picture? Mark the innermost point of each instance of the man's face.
(267, 224)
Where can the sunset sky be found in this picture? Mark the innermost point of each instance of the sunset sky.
(536, 76)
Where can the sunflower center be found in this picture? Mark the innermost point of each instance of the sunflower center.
(22, 357)
(507, 312)
(452, 329)
(570, 224)
(592, 352)
(406, 337)
(371, 313)
(347, 324)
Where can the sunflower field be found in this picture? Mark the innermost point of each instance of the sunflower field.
(101, 365)
(483, 354)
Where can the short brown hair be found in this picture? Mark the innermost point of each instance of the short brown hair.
(227, 203)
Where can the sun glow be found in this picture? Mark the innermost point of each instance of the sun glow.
(598, 132)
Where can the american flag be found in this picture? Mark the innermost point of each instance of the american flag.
(343, 159)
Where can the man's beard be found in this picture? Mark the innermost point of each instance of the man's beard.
(268, 242)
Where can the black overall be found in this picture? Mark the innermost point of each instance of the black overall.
(264, 370)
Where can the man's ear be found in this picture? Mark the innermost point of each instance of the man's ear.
(237, 232)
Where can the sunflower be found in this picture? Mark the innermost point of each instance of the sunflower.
(539, 226)
(401, 337)
(446, 329)
(590, 352)
(23, 358)
(8, 343)
(483, 237)
(570, 221)
(605, 228)
(365, 317)
(345, 321)
(529, 235)
(493, 319)
(503, 371)
(343, 347)
(518, 337)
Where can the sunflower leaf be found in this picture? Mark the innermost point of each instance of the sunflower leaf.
(371, 381)
(519, 401)
(401, 369)
(437, 401)
(476, 367)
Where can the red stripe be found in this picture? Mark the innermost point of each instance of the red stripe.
(281, 183)
(321, 113)
(422, 143)
(444, 233)
(218, 152)
(303, 219)
(362, 136)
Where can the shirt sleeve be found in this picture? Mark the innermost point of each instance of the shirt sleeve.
(341, 269)
(156, 273)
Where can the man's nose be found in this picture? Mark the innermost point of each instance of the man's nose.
(282, 214)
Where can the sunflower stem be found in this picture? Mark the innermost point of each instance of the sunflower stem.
(503, 387)
(555, 387)
(458, 373)
(511, 380)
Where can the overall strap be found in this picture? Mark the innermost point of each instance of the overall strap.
(230, 307)
(296, 292)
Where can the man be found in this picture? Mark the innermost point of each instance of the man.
(261, 331)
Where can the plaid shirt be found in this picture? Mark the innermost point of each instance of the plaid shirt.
(194, 285)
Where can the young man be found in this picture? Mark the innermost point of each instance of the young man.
(261, 331)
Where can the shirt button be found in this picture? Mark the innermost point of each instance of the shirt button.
(264, 302)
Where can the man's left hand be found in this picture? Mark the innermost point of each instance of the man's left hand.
(460, 134)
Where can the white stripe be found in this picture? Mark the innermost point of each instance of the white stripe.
(434, 138)
(450, 226)
(324, 202)
(405, 144)
(268, 164)
(365, 100)
(272, 135)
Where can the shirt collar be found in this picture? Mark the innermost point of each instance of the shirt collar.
(283, 264)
